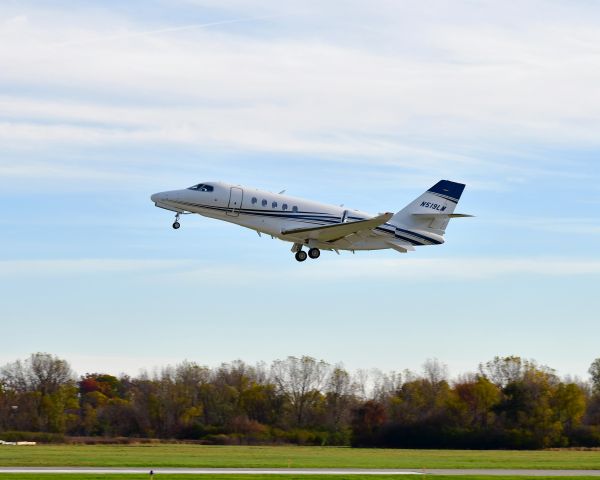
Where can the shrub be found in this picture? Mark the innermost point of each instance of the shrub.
(40, 437)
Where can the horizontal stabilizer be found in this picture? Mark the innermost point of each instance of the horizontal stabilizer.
(329, 233)
(442, 215)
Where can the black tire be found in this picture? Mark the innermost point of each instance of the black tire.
(314, 253)
(300, 255)
(176, 225)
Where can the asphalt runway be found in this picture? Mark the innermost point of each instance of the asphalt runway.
(304, 471)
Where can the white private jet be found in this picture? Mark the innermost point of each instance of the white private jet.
(317, 225)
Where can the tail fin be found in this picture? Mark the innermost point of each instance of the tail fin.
(433, 210)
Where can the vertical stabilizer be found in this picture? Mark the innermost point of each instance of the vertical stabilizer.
(432, 211)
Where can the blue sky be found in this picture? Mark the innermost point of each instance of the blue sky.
(102, 104)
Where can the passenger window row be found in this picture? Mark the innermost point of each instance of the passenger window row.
(264, 203)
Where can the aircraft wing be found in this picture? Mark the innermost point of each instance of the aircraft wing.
(330, 233)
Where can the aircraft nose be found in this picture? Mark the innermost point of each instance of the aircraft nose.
(157, 197)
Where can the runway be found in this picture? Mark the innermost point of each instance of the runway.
(302, 471)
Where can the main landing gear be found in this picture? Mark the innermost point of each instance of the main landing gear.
(176, 223)
(301, 255)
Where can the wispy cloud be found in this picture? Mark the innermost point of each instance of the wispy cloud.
(69, 267)
(467, 269)
(339, 269)
(365, 103)
(440, 93)
(572, 225)
(158, 31)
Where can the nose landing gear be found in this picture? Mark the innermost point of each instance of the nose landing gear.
(314, 253)
(176, 223)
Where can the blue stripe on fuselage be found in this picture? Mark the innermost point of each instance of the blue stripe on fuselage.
(319, 218)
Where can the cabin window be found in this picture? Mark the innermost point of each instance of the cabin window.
(274, 205)
(202, 187)
(264, 203)
(254, 200)
(284, 206)
(295, 209)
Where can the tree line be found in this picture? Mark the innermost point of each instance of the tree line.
(509, 402)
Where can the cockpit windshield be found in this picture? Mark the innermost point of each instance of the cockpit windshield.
(202, 187)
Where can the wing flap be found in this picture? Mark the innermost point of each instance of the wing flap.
(329, 233)
(400, 247)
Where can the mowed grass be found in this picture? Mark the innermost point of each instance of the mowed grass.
(179, 455)
(116, 476)
(86, 476)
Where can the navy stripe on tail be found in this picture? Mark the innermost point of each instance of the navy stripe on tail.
(448, 189)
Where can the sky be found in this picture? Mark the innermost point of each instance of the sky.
(362, 103)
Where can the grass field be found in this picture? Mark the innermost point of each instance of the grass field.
(74, 476)
(153, 456)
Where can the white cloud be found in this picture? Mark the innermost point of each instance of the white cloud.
(57, 268)
(569, 225)
(473, 76)
(36, 169)
(333, 269)
(117, 364)
(417, 269)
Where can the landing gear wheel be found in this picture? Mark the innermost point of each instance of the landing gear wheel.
(300, 255)
(176, 224)
(314, 253)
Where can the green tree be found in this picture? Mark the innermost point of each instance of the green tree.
(479, 396)
(527, 412)
(45, 393)
(108, 385)
(300, 380)
(569, 405)
(340, 398)
(504, 370)
(367, 421)
(59, 409)
(594, 372)
(41, 372)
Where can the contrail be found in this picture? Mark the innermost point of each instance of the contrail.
(167, 30)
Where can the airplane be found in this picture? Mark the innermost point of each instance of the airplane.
(319, 226)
